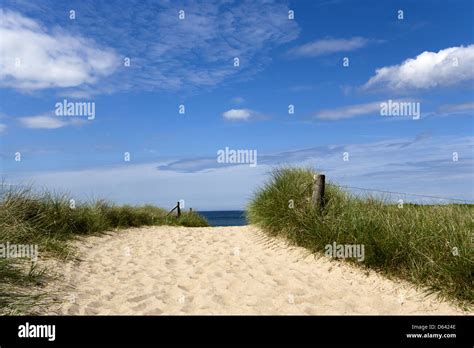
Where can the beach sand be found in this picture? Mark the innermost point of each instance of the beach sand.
(222, 270)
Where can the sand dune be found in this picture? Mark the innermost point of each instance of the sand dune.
(223, 270)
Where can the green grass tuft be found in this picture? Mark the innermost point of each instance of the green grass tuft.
(414, 242)
(50, 222)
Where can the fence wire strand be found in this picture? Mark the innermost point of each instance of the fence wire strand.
(406, 194)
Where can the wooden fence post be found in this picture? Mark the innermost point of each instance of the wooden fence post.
(318, 191)
(179, 209)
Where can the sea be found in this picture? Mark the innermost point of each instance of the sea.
(225, 218)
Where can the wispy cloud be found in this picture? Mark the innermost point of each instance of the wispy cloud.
(46, 121)
(2, 127)
(166, 52)
(328, 46)
(444, 68)
(238, 100)
(348, 111)
(395, 165)
(457, 108)
(448, 110)
(405, 107)
(34, 57)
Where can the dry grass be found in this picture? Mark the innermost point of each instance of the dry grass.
(51, 222)
(417, 243)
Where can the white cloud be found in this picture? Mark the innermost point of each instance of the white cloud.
(171, 54)
(43, 121)
(230, 185)
(418, 165)
(47, 120)
(328, 46)
(36, 58)
(237, 114)
(348, 111)
(446, 67)
(457, 108)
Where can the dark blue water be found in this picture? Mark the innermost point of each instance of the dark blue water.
(225, 218)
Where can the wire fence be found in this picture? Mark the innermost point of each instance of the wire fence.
(408, 194)
(310, 185)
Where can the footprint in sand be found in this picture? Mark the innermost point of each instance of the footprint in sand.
(211, 280)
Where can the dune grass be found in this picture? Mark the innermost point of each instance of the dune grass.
(51, 222)
(427, 245)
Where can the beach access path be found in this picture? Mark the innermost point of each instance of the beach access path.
(222, 270)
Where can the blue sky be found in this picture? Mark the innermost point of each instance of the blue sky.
(427, 58)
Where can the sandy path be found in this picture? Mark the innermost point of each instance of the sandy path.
(224, 270)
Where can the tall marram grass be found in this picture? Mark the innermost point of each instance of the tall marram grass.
(49, 221)
(415, 242)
